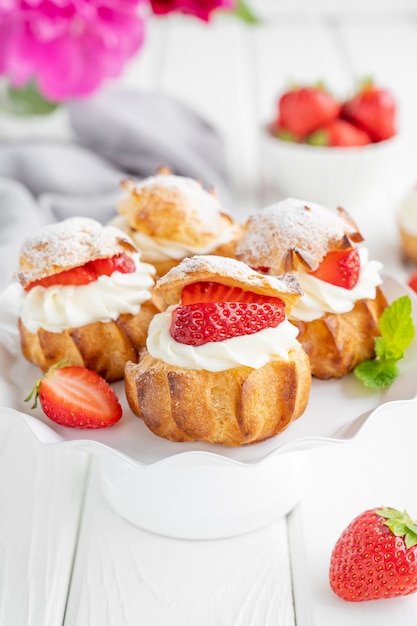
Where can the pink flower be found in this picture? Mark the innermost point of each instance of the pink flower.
(198, 8)
(69, 47)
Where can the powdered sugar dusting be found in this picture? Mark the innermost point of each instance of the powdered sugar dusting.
(67, 244)
(175, 208)
(292, 225)
(229, 271)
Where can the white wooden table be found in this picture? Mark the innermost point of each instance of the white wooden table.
(66, 558)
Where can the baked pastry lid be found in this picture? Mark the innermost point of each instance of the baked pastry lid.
(230, 272)
(67, 244)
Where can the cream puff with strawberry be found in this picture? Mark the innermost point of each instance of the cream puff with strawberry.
(338, 314)
(223, 364)
(87, 298)
(171, 217)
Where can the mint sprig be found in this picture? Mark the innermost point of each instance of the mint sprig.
(397, 332)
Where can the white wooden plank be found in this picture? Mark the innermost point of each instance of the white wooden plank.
(207, 66)
(41, 495)
(144, 70)
(126, 576)
(386, 51)
(376, 469)
(286, 54)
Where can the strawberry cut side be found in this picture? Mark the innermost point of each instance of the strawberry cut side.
(340, 268)
(204, 322)
(85, 274)
(211, 311)
(122, 263)
(76, 397)
(203, 291)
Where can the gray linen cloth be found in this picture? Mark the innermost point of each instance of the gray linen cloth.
(116, 134)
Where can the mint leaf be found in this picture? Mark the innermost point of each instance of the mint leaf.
(376, 374)
(385, 350)
(396, 324)
(397, 333)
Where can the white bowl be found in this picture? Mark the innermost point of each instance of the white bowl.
(333, 177)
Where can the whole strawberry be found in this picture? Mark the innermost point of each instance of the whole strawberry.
(373, 110)
(303, 110)
(76, 397)
(375, 557)
(339, 133)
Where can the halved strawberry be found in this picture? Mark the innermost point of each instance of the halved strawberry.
(76, 397)
(203, 291)
(75, 276)
(412, 281)
(87, 273)
(211, 311)
(204, 322)
(119, 263)
(340, 267)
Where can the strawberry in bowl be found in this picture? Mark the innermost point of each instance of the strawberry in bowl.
(329, 149)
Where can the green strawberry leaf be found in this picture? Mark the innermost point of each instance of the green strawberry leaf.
(285, 135)
(397, 333)
(319, 138)
(400, 524)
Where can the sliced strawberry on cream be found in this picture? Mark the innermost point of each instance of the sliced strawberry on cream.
(207, 291)
(340, 268)
(216, 325)
(87, 273)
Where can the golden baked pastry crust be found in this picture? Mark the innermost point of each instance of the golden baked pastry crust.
(290, 234)
(337, 343)
(71, 243)
(233, 407)
(101, 346)
(178, 211)
(408, 245)
(212, 268)
(163, 267)
(171, 211)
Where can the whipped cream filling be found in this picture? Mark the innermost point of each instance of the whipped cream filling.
(256, 350)
(59, 307)
(407, 213)
(160, 249)
(321, 297)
